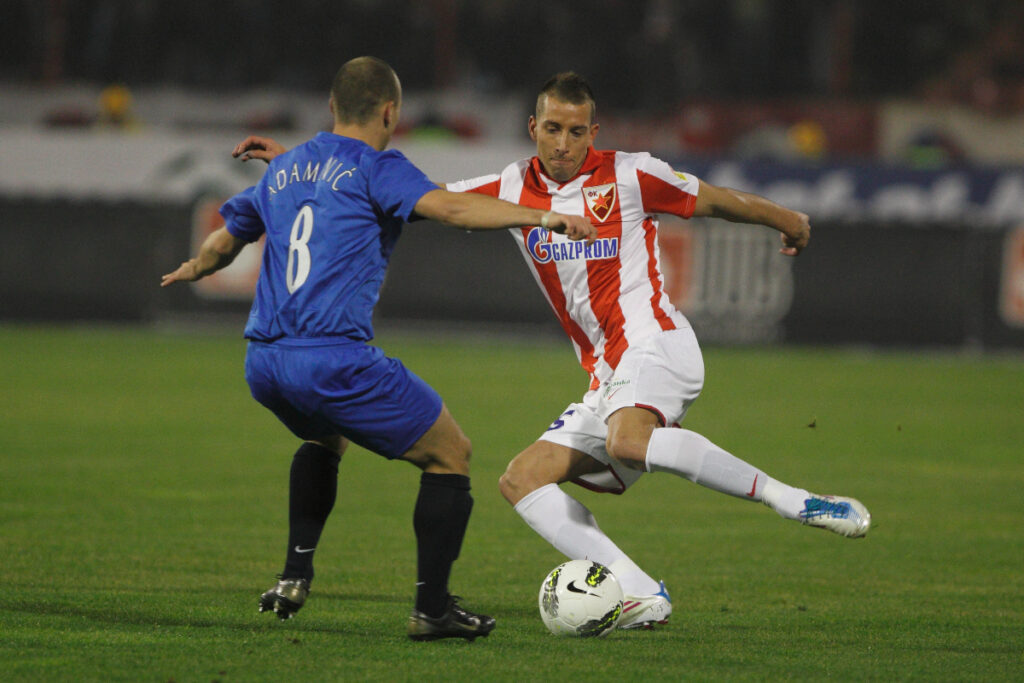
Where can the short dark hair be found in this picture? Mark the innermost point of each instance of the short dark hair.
(568, 86)
(361, 86)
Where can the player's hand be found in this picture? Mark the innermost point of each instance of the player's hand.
(573, 227)
(797, 235)
(186, 272)
(258, 147)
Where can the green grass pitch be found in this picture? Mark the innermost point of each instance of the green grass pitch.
(143, 510)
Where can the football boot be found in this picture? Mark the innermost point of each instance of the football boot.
(844, 516)
(645, 611)
(456, 622)
(286, 598)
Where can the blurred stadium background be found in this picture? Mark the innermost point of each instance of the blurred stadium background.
(899, 127)
(134, 466)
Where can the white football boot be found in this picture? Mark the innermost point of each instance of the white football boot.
(844, 516)
(644, 611)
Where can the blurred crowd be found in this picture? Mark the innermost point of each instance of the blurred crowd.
(931, 83)
(639, 53)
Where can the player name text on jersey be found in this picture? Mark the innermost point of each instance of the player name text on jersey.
(331, 173)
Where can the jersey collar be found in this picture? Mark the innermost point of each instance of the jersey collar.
(590, 164)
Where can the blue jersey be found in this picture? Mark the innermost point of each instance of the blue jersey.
(332, 210)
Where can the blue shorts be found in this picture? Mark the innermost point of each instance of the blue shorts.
(351, 388)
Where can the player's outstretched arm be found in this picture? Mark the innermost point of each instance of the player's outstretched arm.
(217, 251)
(258, 147)
(479, 212)
(743, 207)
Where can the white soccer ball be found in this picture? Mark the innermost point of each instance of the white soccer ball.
(580, 598)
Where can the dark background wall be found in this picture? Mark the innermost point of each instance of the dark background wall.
(860, 283)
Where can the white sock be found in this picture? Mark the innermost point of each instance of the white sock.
(688, 454)
(633, 579)
(787, 500)
(567, 524)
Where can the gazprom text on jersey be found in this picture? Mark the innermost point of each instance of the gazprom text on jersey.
(542, 249)
(332, 172)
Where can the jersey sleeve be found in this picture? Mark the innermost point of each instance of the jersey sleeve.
(396, 185)
(489, 185)
(666, 191)
(241, 218)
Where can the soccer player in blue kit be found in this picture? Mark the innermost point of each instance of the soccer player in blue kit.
(332, 210)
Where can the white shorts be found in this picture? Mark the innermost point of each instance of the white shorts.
(663, 373)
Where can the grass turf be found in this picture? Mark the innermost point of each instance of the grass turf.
(143, 510)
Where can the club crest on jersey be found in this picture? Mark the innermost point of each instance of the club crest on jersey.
(543, 248)
(600, 200)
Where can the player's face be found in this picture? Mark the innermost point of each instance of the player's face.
(563, 133)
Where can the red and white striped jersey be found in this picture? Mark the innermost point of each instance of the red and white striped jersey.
(608, 294)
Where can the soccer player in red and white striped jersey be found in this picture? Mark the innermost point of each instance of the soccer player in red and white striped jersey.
(642, 358)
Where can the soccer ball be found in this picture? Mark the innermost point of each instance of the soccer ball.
(580, 598)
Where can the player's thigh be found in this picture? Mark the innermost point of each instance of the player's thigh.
(443, 449)
(663, 374)
(543, 463)
(582, 428)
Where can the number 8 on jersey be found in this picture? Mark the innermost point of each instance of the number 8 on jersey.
(298, 249)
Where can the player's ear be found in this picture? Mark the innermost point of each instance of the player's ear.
(532, 127)
(390, 115)
(593, 132)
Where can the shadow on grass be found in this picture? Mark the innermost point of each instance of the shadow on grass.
(116, 608)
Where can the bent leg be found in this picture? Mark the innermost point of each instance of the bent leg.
(543, 463)
(636, 439)
(530, 484)
(690, 455)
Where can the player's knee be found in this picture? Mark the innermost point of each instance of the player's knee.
(508, 484)
(457, 454)
(464, 449)
(442, 450)
(516, 482)
(629, 450)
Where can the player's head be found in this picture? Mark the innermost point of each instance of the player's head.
(563, 124)
(568, 87)
(362, 89)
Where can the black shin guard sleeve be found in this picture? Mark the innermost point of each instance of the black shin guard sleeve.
(313, 489)
(439, 519)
